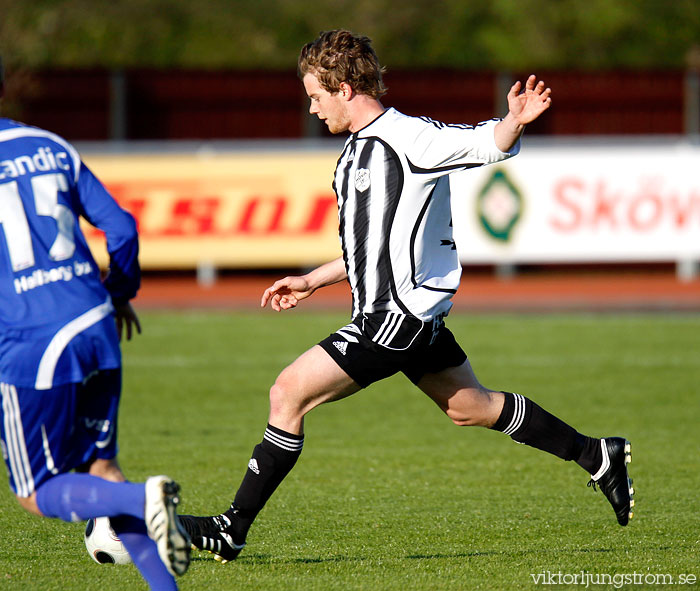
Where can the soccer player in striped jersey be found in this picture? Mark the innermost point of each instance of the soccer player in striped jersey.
(392, 186)
(60, 360)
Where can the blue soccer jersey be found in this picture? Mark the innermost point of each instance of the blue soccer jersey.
(53, 303)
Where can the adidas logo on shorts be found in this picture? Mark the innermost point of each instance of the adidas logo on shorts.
(342, 346)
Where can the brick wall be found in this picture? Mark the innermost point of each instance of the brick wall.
(150, 104)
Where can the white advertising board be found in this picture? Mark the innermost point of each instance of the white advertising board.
(581, 203)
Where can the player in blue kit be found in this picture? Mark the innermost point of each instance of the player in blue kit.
(60, 360)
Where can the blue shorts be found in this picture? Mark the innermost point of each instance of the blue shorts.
(48, 432)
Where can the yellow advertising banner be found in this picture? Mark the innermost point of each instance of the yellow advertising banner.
(229, 210)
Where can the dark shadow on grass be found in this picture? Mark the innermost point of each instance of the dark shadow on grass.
(268, 559)
(202, 558)
(454, 555)
(325, 560)
(363, 558)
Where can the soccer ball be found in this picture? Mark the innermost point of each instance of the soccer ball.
(102, 543)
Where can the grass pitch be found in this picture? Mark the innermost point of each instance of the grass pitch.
(388, 493)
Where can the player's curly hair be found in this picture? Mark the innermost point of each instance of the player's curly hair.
(339, 56)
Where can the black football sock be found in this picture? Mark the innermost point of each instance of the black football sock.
(528, 423)
(591, 457)
(272, 460)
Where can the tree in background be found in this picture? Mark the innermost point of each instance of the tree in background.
(500, 34)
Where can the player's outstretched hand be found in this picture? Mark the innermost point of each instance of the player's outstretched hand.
(528, 105)
(286, 293)
(126, 320)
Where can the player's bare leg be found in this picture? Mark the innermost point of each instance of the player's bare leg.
(463, 399)
(314, 378)
(29, 504)
(107, 469)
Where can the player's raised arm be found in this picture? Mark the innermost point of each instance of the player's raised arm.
(287, 292)
(523, 108)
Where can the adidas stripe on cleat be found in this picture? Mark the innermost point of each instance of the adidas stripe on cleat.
(613, 478)
(209, 535)
(221, 545)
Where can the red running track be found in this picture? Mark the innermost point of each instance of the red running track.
(539, 293)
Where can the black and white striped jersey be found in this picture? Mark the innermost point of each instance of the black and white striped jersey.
(393, 194)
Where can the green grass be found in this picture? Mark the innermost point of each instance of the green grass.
(389, 494)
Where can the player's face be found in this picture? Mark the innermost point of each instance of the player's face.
(328, 107)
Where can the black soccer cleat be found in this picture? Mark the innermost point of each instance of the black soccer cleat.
(613, 478)
(213, 535)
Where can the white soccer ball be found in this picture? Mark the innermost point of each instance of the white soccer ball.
(103, 544)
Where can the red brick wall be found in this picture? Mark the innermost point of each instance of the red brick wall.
(242, 105)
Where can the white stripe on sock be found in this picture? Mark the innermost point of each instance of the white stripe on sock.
(286, 443)
(518, 415)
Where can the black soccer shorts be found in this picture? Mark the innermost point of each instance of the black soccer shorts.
(378, 345)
